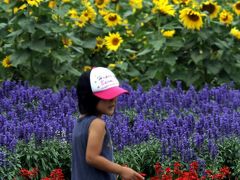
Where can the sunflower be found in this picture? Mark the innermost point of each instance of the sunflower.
(66, 1)
(191, 19)
(73, 13)
(136, 4)
(6, 1)
(226, 17)
(112, 66)
(211, 7)
(81, 21)
(163, 7)
(87, 68)
(236, 7)
(168, 33)
(235, 32)
(113, 41)
(52, 4)
(101, 3)
(90, 14)
(112, 19)
(100, 42)
(6, 62)
(34, 2)
(185, 2)
(66, 42)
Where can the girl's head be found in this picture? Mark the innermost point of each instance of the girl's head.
(97, 91)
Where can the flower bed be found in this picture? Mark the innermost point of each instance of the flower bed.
(189, 125)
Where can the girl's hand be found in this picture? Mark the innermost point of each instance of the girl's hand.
(130, 174)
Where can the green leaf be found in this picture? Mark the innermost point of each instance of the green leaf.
(2, 25)
(61, 56)
(144, 52)
(130, 51)
(157, 44)
(27, 25)
(151, 73)
(221, 44)
(134, 73)
(74, 71)
(93, 30)
(38, 45)
(19, 57)
(214, 67)
(15, 33)
(90, 43)
(59, 29)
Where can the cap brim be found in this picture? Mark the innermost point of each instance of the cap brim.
(110, 93)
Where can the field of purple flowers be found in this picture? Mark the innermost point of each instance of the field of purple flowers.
(186, 122)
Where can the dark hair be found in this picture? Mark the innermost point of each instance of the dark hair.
(87, 102)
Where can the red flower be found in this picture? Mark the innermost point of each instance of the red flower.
(29, 174)
(225, 170)
(158, 168)
(57, 174)
(168, 170)
(154, 178)
(194, 165)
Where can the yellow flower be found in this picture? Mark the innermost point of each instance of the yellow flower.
(101, 3)
(52, 4)
(90, 14)
(112, 19)
(129, 33)
(168, 34)
(185, 2)
(100, 42)
(136, 4)
(191, 19)
(235, 32)
(73, 13)
(34, 2)
(163, 7)
(66, 42)
(80, 21)
(87, 68)
(66, 1)
(103, 12)
(226, 17)
(6, 62)
(113, 41)
(132, 56)
(111, 66)
(6, 1)
(211, 7)
(236, 7)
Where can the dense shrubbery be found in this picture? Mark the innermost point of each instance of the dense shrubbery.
(50, 42)
(190, 125)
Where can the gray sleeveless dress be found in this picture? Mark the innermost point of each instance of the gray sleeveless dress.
(80, 169)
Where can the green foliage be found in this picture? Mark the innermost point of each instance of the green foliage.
(46, 156)
(229, 154)
(34, 39)
(140, 157)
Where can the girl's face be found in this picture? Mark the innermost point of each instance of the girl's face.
(106, 106)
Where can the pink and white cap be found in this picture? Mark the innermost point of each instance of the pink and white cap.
(104, 84)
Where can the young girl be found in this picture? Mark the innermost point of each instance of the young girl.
(92, 153)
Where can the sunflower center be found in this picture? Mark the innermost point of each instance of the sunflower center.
(238, 6)
(112, 18)
(210, 8)
(115, 41)
(225, 18)
(99, 2)
(192, 16)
